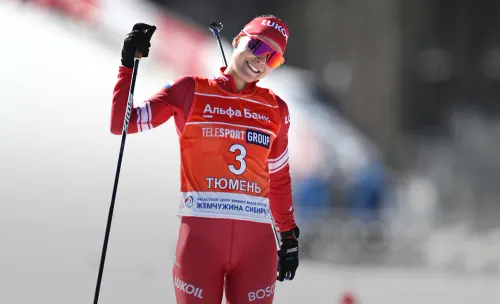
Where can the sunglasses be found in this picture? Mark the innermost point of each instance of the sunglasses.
(259, 47)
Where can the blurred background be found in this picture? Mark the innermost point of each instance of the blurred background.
(393, 142)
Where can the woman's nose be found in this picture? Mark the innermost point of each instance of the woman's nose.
(261, 59)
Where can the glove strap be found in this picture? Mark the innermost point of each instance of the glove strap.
(291, 234)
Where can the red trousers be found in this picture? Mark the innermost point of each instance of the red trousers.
(216, 255)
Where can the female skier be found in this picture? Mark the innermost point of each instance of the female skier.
(235, 176)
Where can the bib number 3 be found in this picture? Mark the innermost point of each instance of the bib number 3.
(239, 158)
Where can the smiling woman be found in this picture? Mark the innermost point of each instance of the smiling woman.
(235, 176)
(258, 49)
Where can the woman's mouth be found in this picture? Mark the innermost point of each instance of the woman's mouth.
(254, 69)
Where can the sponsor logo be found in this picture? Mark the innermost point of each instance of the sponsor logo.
(188, 288)
(261, 293)
(276, 26)
(128, 112)
(244, 206)
(210, 111)
(258, 138)
(287, 119)
(189, 201)
(223, 132)
(231, 207)
(169, 84)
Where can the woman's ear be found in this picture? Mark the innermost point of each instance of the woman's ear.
(236, 41)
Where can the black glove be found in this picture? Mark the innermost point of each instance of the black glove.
(137, 40)
(288, 256)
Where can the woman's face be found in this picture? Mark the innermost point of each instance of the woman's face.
(249, 67)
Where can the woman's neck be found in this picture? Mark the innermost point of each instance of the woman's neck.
(240, 83)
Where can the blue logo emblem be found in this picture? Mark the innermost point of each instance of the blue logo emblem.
(189, 201)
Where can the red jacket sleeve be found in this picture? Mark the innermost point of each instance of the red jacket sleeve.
(280, 196)
(174, 98)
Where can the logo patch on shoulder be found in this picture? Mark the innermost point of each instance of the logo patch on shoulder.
(258, 138)
(169, 84)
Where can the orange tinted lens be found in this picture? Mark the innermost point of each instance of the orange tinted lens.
(275, 61)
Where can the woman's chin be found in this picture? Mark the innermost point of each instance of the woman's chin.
(247, 77)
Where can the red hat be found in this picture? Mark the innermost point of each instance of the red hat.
(269, 27)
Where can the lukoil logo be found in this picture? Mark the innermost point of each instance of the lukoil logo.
(188, 288)
(261, 293)
(276, 26)
(189, 201)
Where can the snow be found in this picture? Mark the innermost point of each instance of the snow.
(57, 170)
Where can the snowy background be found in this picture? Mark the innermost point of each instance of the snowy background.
(56, 175)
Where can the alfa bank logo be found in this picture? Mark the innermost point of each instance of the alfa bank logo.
(278, 27)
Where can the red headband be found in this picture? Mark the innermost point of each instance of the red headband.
(270, 28)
